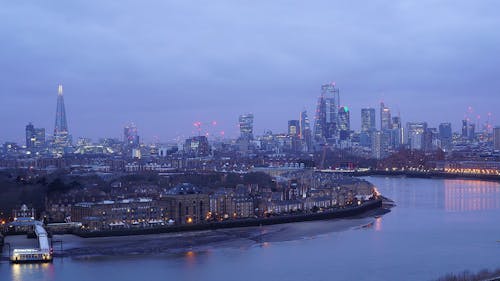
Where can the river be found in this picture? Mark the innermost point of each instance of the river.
(438, 226)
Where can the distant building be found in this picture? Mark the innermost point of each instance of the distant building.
(397, 133)
(468, 130)
(385, 117)
(344, 123)
(131, 136)
(293, 128)
(445, 136)
(367, 126)
(197, 146)
(377, 144)
(62, 139)
(35, 138)
(326, 121)
(496, 138)
(305, 131)
(246, 126)
(416, 133)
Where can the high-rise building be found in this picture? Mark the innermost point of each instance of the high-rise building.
(376, 144)
(61, 134)
(305, 131)
(367, 119)
(385, 117)
(397, 133)
(496, 138)
(367, 126)
(344, 123)
(416, 135)
(468, 130)
(246, 126)
(326, 121)
(293, 128)
(131, 136)
(35, 137)
(445, 136)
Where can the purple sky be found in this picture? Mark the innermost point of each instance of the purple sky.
(166, 64)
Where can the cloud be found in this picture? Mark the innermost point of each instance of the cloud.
(168, 63)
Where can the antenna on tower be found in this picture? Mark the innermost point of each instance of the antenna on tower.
(60, 90)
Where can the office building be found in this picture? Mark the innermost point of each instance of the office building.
(246, 126)
(326, 121)
(445, 136)
(496, 138)
(385, 117)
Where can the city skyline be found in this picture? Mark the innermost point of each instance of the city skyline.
(200, 127)
(163, 79)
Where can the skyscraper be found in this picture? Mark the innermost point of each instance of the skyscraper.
(61, 134)
(344, 123)
(397, 138)
(326, 121)
(246, 126)
(416, 133)
(367, 119)
(445, 136)
(367, 126)
(305, 131)
(496, 138)
(385, 117)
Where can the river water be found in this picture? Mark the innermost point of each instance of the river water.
(438, 226)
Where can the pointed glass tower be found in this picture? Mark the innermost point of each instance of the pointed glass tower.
(61, 127)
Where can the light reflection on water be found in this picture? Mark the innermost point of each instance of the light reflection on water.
(471, 195)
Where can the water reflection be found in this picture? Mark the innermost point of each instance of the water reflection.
(378, 224)
(471, 195)
(22, 272)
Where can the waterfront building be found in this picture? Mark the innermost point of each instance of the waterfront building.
(246, 126)
(121, 213)
(496, 138)
(188, 204)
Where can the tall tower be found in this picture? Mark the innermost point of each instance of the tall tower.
(385, 117)
(61, 136)
(344, 123)
(326, 126)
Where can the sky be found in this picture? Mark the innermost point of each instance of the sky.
(164, 65)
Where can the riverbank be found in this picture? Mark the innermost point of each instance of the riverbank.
(333, 214)
(424, 175)
(199, 241)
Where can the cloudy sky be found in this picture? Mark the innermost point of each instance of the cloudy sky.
(166, 64)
